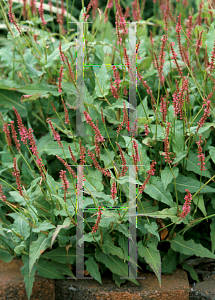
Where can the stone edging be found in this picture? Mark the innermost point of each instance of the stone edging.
(175, 286)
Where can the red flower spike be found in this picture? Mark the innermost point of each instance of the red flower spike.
(150, 173)
(186, 206)
(201, 155)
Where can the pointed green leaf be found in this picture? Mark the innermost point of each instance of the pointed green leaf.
(201, 205)
(156, 190)
(37, 247)
(109, 247)
(152, 228)
(212, 234)
(180, 156)
(51, 149)
(5, 255)
(12, 98)
(43, 226)
(191, 271)
(123, 242)
(115, 264)
(170, 213)
(166, 175)
(210, 40)
(102, 81)
(93, 269)
(117, 280)
(55, 54)
(22, 227)
(152, 256)
(123, 229)
(169, 262)
(60, 254)
(183, 182)
(192, 165)
(212, 153)
(28, 276)
(178, 142)
(65, 224)
(18, 198)
(48, 269)
(43, 88)
(190, 247)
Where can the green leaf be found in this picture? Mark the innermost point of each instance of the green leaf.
(191, 271)
(106, 221)
(125, 179)
(105, 157)
(160, 131)
(18, 198)
(20, 248)
(183, 182)
(12, 98)
(180, 156)
(115, 264)
(189, 247)
(212, 234)
(152, 256)
(170, 213)
(43, 88)
(178, 143)
(56, 55)
(152, 228)
(109, 247)
(89, 237)
(33, 72)
(169, 262)
(53, 149)
(48, 269)
(43, 226)
(28, 275)
(210, 40)
(37, 247)
(5, 255)
(156, 190)
(212, 153)
(166, 175)
(123, 242)
(6, 158)
(201, 204)
(92, 185)
(65, 224)
(204, 128)
(22, 227)
(93, 269)
(192, 165)
(60, 254)
(142, 109)
(117, 280)
(123, 229)
(52, 184)
(102, 81)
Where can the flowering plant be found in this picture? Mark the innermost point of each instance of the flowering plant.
(166, 152)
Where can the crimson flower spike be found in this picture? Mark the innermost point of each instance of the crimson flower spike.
(186, 206)
(150, 173)
(98, 135)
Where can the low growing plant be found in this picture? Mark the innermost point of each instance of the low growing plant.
(170, 146)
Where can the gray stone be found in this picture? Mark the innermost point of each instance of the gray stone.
(204, 290)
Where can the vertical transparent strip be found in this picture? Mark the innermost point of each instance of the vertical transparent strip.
(80, 79)
(80, 226)
(132, 241)
(132, 268)
(132, 77)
